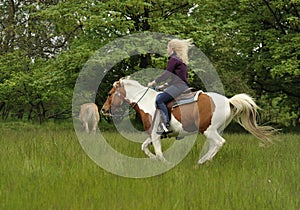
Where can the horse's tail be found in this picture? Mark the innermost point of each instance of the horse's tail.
(245, 111)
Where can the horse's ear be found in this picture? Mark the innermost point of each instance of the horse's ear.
(127, 77)
(116, 84)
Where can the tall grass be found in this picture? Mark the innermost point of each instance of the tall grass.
(46, 168)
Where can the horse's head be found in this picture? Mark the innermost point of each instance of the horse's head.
(115, 99)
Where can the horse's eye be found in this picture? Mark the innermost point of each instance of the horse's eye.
(109, 94)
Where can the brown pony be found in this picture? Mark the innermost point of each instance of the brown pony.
(89, 117)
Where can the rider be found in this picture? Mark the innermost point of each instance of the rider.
(177, 73)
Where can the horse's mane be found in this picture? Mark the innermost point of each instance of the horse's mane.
(129, 81)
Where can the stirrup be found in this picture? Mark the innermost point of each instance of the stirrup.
(162, 129)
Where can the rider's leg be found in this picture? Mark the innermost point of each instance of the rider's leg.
(161, 101)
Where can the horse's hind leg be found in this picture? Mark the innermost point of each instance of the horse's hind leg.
(86, 127)
(95, 124)
(215, 143)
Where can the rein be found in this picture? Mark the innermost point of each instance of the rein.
(131, 106)
(139, 99)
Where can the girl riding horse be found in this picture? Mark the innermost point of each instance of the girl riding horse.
(177, 74)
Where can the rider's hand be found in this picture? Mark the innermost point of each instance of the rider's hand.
(163, 86)
(150, 84)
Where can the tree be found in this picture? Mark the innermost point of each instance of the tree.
(30, 40)
(274, 67)
(254, 46)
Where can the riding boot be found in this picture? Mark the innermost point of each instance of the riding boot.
(164, 127)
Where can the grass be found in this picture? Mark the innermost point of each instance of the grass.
(46, 168)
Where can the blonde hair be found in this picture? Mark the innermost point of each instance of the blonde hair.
(181, 47)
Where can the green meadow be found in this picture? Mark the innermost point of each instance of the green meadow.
(46, 168)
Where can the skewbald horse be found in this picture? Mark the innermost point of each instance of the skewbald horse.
(210, 115)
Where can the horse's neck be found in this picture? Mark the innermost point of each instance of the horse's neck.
(133, 93)
(143, 97)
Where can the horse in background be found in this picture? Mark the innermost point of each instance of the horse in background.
(89, 117)
(209, 114)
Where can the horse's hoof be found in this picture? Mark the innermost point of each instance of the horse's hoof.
(201, 161)
(179, 137)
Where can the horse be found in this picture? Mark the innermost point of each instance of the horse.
(209, 114)
(89, 117)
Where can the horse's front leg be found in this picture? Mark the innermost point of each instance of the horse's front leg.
(145, 148)
(157, 148)
(156, 142)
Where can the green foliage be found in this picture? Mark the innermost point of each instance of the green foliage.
(254, 46)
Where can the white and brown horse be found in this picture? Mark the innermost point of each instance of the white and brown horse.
(89, 117)
(210, 115)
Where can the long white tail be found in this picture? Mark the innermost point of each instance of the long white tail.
(245, 112)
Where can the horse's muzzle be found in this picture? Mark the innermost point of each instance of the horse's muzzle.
(106, 112)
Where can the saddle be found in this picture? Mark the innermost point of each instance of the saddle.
(188, 96)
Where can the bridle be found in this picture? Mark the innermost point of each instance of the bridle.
(124, 98)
